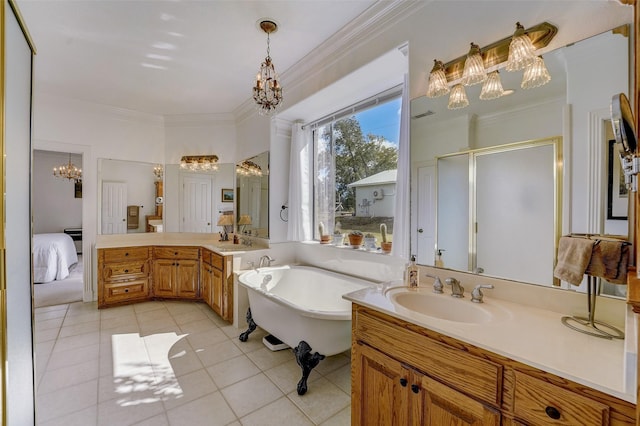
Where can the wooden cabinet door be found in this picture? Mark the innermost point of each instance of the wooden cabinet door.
(187, 278)
(206, 276)
(164, 278)
(379, 389)
(216, 292)
(433, 404)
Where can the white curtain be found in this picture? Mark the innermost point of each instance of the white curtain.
(401, 220)
(300, 190)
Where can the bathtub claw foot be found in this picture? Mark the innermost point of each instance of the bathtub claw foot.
(307, 362)
(252, 326)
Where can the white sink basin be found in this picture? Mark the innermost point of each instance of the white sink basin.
(424, 302)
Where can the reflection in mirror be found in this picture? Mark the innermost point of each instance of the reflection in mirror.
(572, 105)
(193, 200)
(127, 195)
(252, 192)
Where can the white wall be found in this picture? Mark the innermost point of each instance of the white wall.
(54, 204)
(200, 134)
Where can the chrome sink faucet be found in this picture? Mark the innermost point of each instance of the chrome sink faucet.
(456, 289)
(476, 294)
(265, 260)
(437, 284)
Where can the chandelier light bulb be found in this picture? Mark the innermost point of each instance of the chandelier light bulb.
(474, 71)
(521, 50)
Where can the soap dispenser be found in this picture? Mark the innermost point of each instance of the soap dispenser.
(412, 276)
(439, 263)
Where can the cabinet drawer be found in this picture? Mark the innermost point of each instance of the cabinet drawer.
(176, 253)
(217, 261)
(129, 290)
(206, 256)
(125, 271)
(125, 254)
(540, 403)
(465, 372)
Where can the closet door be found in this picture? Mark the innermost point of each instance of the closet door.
(513, 188)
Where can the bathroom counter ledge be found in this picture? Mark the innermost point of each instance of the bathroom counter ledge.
(208, 241)
(532, 336)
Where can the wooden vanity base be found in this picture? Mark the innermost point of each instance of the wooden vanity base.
(405, 374)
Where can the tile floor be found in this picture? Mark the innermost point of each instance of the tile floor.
(173, 363)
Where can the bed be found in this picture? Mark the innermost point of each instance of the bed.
(53, 256)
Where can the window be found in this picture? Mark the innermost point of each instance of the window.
(355, 165)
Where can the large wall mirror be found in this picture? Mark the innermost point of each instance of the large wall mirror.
(569, 115)
(131, 194)
(252, 195)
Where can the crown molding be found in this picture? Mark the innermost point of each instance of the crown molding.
(190, 120)
(340, 44)
(100, 109)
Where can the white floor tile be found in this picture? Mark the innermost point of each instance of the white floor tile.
(280, 412)
(286, 376)
(210, 410)
(61, 378)
(265, 358)
(75, 398)
(251, 394)
(322, 400)
(343, 418)
(189, 387)
(232, 371)
(86, 417)
(219, 352)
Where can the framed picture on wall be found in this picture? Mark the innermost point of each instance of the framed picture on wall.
(77, 187)
(617, 192)
(227, 195)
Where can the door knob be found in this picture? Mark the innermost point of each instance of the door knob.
(420, 230)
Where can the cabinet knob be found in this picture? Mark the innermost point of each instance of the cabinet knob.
(415, 388)
(126, 254)
(126, 290)
(126, 270)
(403, 382)
(175, 253)
(552, 412)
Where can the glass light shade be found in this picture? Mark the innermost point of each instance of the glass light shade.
(521, 50)
(458, 98)
(492, 87)
(536, 74)
(474, 71)
(437, 81)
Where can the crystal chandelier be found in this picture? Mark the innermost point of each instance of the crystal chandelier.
(68, 171)
(249, 168)
(267, 91)
(199, 163)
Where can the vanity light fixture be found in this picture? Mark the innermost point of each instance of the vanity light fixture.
(492, 87)
(249, 168)
(68, 171)
(535, 74)
(521, 50)
(267, 91)
(458, 98)
(438, 85)
(472, 68)
(199, 163)
(474, 71)
(158, 171)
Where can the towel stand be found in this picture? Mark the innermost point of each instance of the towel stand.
(589, 325)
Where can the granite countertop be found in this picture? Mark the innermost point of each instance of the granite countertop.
(208, 241)
(532, 336)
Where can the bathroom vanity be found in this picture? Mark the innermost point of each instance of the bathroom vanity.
(500, 364)
(164, 266)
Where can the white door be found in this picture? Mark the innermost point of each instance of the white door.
(114, 208)
(196, 204)
(426, 220)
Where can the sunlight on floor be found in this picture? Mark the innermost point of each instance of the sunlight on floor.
(142, 371)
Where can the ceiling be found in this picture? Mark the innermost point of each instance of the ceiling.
(171, 57)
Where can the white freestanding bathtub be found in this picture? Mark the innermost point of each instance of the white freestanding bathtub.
(302, 303)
